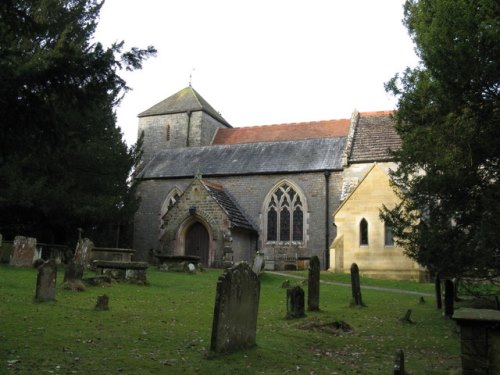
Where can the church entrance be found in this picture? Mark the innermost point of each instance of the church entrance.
(197, 241)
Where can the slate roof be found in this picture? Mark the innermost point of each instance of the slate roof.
(374, 136)
(282, 132)
(229, 205)
(249, 158)
(185, 100)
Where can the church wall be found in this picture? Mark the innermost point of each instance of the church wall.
(249, 192)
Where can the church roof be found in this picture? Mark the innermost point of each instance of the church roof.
(185, 100)
(249, 158)
(228, 204)
(282, 132)
(374, 136)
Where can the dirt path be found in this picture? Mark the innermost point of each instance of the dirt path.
(381, 289)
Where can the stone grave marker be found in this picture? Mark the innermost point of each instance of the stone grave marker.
(313, 283)
(46, 281)
(295, 302)
(399, 363)
(449, 297)
(235, 313)
(83, 252)
(24, 251)
(102, 303)
(356, 286)
(258, 263)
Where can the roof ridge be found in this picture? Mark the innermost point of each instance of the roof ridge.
(289, 123)
(377, 113)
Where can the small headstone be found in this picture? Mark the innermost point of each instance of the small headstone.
(235, 313)
(356, 286)
(295, 302)
(437, 288)
(258, 263)
(102, 303)
(399, 363)
(46, 282)
(73, 271)
(313, 283)
(421, 300)
(191, 268)
(449, 297)
(24, 251)
(407, 317)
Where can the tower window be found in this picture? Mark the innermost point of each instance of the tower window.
(167, 133)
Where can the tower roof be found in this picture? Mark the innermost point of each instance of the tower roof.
(185, 100)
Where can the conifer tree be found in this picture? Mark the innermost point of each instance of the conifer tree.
(63, 161)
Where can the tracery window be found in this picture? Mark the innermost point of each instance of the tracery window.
(363, 232)
(285, 215)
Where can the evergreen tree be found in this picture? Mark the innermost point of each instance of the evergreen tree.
(448, 119)
(63, 162)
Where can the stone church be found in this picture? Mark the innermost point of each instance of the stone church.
(223, 193)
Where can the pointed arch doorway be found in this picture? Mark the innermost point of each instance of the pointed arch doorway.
(197, 242)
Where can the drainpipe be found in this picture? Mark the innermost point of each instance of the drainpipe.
(188, 127)
(327, 219)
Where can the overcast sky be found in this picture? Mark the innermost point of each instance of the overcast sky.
(261, 62)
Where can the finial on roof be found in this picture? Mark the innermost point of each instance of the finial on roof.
(191, 77)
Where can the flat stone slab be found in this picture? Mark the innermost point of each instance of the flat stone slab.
(485, 315)
(120, 265)
(178, 258)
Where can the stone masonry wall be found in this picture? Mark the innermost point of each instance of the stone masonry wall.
(249, 192)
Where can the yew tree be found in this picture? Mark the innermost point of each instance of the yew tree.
(63, 161)
(448, 117)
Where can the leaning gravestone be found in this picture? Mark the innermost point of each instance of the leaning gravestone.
(46, 282)
(258, 263)
(295, 302)
(313, 285)
(356, 286)
(24, 251)
(235, 313)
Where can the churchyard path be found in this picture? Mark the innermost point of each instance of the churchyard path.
(382, 289)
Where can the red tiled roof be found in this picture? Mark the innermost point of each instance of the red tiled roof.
(282, 132)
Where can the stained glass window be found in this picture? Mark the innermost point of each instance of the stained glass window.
(272, 224)
(298, 233)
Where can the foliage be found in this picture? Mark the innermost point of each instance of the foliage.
(166, 328)
(63, 162)
(448, 120)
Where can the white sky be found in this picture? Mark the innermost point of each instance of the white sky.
(261, 62)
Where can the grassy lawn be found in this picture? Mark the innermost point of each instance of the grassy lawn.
(166, 328)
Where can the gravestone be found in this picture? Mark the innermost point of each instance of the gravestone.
(235, 313)
(83, 252)
(295, 302)
(24, 251)
(399, 363)
(437, 287)
(258, 263)
(73, 271)
(449, 297)
(1, 238)
(46, 281)
(356, 286)
(102, 303)
(313, 283)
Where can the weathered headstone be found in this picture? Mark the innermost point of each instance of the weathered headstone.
(295, 302)
(73, 271)
(258, 263)
(437, 288)
(102, 303)
(313, 285)
(46, 281)
(24, 251)
(236, 306)
(356, 286)
(449, 297)
(399, 363)
(83, 252)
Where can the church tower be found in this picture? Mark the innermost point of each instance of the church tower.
(184, 119)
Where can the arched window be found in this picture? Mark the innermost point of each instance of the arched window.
(284, 215)
(363, 232)
(388, 235)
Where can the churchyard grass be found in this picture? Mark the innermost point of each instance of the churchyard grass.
(165, 328)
